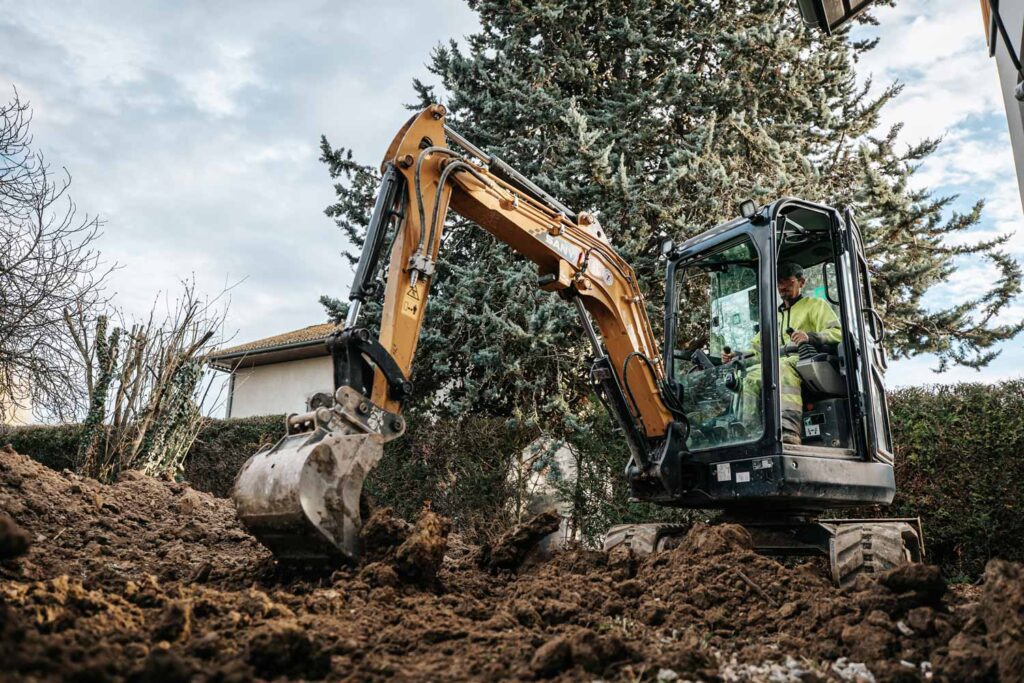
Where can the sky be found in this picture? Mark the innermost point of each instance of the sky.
(937, 50)
(192, 130)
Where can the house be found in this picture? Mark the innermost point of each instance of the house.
(286, 373)
(1004, 31)
(16, 411)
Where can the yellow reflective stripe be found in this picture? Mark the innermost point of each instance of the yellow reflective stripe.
(833, 324)
(791, 395)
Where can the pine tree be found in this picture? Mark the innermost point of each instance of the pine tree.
(660, 117)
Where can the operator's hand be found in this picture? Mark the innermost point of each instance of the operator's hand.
(799, 337)
(727, 355)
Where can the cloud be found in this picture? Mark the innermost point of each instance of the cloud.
(921, 370)
(936, 49)
(965, 158)
(214, 89)
(193, 129)
(93, 54)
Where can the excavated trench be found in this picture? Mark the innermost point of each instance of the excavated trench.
(147, 580)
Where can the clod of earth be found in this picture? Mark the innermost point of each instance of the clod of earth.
(512, 547)
(14, 540)
(157, 582)
(420, 556)
(393, 548)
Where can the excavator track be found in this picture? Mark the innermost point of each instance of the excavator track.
(852, 547)
(643, 539)
(870, 547)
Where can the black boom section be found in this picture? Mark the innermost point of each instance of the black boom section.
(350, 350)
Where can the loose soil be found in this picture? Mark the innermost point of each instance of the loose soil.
(147, 580)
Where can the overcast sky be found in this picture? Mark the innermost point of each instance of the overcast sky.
(192, 128)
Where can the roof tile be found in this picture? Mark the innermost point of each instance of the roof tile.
(311, 333)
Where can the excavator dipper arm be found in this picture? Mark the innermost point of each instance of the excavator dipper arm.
(280, 492)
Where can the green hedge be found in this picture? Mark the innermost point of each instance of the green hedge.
(462, 469)
(960, 467)
(959, 449)
(55, 446)
(218, 453)
(223, 446)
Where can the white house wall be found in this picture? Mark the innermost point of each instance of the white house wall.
(280, 387)
(16, 412)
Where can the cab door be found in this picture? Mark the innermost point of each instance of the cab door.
(865, 358)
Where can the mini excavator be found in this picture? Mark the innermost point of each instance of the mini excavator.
(699, 433)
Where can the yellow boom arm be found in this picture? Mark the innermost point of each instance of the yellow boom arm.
(573, 257)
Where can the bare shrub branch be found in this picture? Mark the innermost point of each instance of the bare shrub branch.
(49, 265)
(147, 383)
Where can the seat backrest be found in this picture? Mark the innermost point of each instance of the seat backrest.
(821, 374)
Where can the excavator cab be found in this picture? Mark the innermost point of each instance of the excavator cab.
(728, 339)
(727, 346)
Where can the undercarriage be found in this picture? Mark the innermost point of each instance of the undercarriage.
(851, 546)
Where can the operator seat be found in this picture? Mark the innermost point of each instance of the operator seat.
(822, 375)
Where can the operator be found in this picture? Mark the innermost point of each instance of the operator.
(802, 320)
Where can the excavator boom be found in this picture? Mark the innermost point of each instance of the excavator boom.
(301, 496)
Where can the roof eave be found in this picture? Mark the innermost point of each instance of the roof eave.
(223, 361)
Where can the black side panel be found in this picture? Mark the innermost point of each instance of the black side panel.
(780, 482)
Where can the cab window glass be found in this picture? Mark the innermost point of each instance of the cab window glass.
(821, 283)
(717, 347)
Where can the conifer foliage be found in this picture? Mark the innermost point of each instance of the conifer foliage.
(659, 117)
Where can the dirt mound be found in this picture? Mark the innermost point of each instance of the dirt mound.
(107, 535)
(993, 641)
(148, 580)
(14, 540)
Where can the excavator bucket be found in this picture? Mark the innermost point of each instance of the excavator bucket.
(300, 497)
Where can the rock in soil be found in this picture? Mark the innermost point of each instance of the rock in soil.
(14, 540)
(147, 580)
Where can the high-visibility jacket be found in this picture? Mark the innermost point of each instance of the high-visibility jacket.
(808, 314)
(811, 315)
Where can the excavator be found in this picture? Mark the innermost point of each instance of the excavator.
(700, 433)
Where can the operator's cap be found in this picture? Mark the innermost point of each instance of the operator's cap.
(789, 269)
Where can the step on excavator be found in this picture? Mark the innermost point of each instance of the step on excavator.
(712, 420)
